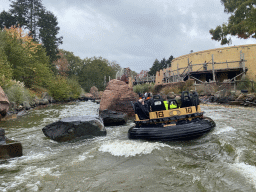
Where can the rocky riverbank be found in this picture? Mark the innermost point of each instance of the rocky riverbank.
(10, 110)
(241, 98)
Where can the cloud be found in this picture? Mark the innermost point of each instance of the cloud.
(135, 33)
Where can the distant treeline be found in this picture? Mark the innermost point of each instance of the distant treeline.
(32, 61)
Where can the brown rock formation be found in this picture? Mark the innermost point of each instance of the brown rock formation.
(117, 97)
(4, 103)
(100, 93)
(95, 93)
(88, 95)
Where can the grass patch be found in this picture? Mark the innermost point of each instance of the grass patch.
(18, 94)
(142, 88)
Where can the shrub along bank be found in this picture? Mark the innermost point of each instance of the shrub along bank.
(164, 89)
(26, 70)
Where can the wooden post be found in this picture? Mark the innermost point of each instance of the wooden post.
(235, 85)
(188, 69)
(178, 73)
(213, 72)
(242, 64)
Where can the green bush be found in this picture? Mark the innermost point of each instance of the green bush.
(246, 84)
(92, 73)
(75, 88)
(186, 86)
(167, 90)
(18, 93)
(142, 88)
(5, 69)
(59, 88)
(26, 58)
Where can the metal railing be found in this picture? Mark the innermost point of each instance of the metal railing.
(142, 80)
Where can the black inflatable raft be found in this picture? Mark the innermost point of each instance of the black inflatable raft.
(182, 131)
(182, 123)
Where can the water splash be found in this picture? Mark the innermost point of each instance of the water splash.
(223, 130)
(129, 148)
(247, 171)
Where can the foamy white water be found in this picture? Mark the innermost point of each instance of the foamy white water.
(224, 130)
(247, 171)
(129, 148)
(223, 160)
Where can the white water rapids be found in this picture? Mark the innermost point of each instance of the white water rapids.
(223, 160)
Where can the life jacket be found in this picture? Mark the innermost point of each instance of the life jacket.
(172, 106)
(166, 104)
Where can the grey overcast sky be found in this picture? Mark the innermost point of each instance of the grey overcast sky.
(136, 32)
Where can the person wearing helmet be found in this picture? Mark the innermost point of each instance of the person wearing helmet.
(172, 105)
(140, 96)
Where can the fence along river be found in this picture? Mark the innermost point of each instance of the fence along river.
(223, 160)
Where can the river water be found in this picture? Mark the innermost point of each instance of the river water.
(222, 160)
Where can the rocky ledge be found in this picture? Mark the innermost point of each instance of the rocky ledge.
(234, 98)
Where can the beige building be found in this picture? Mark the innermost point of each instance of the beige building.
(212, 65)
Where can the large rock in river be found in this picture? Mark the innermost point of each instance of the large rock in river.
(74, 127)
(9, 148)
(113, 118)
(117, 97)
(4, 103)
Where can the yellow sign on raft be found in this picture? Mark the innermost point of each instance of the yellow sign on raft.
(172, 112)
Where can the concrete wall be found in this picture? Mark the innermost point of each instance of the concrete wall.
(219, 55)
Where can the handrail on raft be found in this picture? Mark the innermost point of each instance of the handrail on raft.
(171, 113)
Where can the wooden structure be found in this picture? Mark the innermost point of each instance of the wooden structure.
(215, 65)
(147, 79)
(206, 69)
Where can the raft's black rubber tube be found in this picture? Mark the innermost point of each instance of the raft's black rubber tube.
(179, 132)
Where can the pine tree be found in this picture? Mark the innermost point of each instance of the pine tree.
(156, 67)
(6, 20)
(163, 63)
(27, 14)
(169, 61)
(49, 29)
(42, 24)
